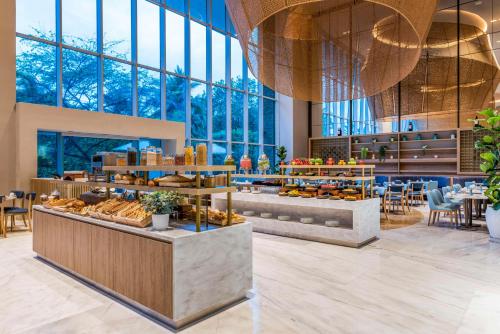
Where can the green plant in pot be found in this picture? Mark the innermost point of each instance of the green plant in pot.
(489, 144)
(363, 154)
(161, 204)
(281, 153)
(381, 153)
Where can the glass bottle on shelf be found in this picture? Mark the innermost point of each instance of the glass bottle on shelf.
(201, 155)
(131, 156)
(144, 157)
(229, 160)
(245, 164)
(263, 164)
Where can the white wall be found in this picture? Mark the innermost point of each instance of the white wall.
(293, 127)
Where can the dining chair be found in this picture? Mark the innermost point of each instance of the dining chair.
(396, 194)
(457, 187)
(438, 206)
(416, 190)
(15, 210)
(381, 192)
(3, 220)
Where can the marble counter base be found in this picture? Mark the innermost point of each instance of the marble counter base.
(329, 235)
(208, 271)
(359, 220)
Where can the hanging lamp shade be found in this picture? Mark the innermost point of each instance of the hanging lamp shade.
(433, 86)
(331, 50)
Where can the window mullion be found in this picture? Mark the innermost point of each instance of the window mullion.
(163, 66)
(59, 53)
(134, 57)
(100, 59)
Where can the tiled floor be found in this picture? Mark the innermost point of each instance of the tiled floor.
(416, 279)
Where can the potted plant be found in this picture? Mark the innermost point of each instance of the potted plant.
(374, 140)
(363, 154)
(392, 139)
(381, 153)
(489, 144)
(160, 204)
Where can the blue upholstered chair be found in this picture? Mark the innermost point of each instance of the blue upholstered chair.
(438, 206)
(396, 194)
(457, 187)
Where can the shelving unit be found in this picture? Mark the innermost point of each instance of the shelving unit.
(198, 190)
(448, 152)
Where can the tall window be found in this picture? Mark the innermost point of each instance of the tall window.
(173, 60)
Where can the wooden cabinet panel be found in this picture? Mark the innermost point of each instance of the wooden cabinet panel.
(82, 248)
(39, 228)
(156, 283)
(143, 271)
(102, 256)
(58, 239)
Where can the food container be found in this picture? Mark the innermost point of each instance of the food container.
(263, 164)
(248, 213)
(159, 156)
(180, 160)
(151, 156)
(201, 155)
(332, 223)
(246, 163)
(188, 156)
(121, 160)
(131, 156)
(144, 157)
(306, 220)
(266, 215)
(168, 161)
(209, 182)
(229, 160)
(283, 218)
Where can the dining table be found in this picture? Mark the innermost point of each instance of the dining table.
(468, 196)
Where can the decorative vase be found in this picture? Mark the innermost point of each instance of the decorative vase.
(493, 222)
(160, 222)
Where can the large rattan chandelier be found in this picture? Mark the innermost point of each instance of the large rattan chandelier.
(331, 50)
(433, 86)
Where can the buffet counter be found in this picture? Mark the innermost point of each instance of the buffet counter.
(351, 223)
(176, 276)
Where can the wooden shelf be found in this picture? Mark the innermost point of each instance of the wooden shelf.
(420, 140)
(428, 160)
(184, 191)
(182, 168)
(378, 142)
(429, 149)
(385, 150)
(304, 177)
(327, 166)
(386, 161)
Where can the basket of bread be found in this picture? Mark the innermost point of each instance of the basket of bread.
(72, 205)
(178, 181)
(121, 211)
(217, 217)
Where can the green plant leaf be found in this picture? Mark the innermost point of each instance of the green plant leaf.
(488, 139)
(487, 112)
(488, 156)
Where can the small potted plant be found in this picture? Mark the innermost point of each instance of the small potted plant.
(356, 140)
(435, 136)
(381, 153)
(489, 144)
(160, 204)
(374, 140)
(363, 154)
(392, 139)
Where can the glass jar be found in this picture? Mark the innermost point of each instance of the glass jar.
(201, 155)
(180, 160)
(263, 163)
(168, 161)
(159, 156)
(229, 160)
(131, 156)
(151, 156)
(189, 156)
(144, 157)
(246, 163)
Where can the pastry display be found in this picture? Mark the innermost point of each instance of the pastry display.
(201, 155)
(175, 181)
(139, 181)
(125, 179)
(294, 193)
(350, 198)
(218, 217)
(120, 211)
(71, 205)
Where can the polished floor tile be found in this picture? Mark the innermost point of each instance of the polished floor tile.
(416, 279)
